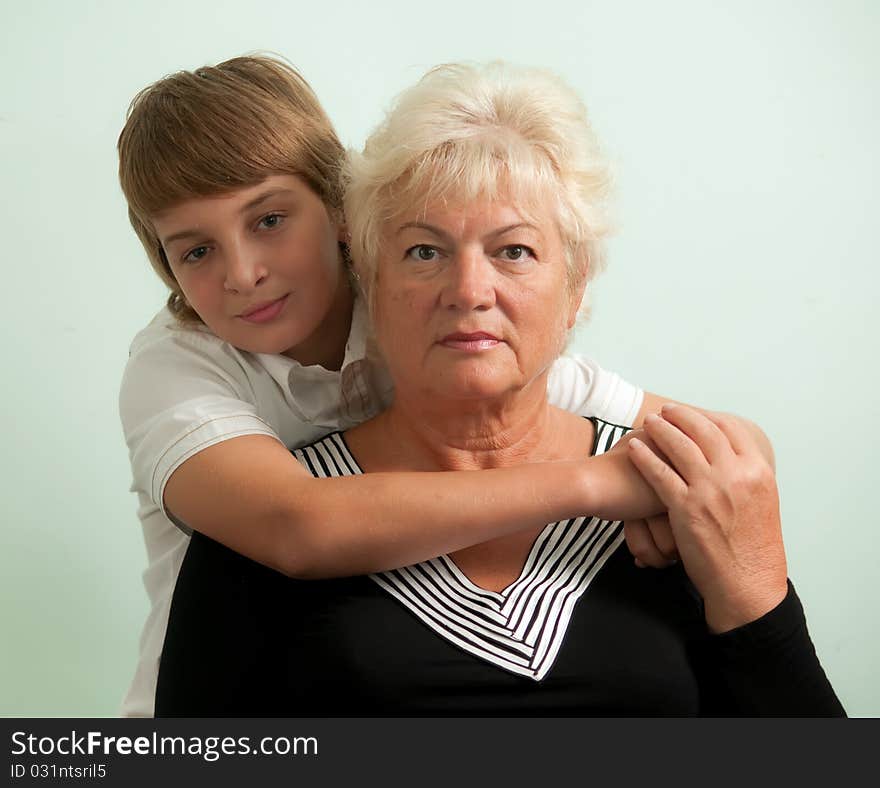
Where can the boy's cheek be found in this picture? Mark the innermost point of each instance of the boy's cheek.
(199, 298)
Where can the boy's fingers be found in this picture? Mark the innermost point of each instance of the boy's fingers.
(661, 533)
(642, 546)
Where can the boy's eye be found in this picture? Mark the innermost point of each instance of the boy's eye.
(271, 221)
(194, 255)
(422, 253)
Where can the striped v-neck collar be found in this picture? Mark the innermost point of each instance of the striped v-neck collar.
(521, 628)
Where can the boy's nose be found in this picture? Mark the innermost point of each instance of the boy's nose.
(244, 271)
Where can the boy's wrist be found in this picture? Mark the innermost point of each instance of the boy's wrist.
(614, 490)
(590, 485)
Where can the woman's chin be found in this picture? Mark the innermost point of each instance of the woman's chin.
(476, 386)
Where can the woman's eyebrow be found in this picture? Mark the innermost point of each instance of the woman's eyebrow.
(443, 234)
(422, 226)
(509, 227)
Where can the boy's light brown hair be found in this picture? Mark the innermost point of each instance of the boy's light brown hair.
(204, 132)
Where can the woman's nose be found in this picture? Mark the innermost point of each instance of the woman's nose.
(470, 282)
(244, 270)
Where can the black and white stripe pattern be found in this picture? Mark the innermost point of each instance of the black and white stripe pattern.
(521, 628)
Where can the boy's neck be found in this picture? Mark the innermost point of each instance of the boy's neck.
(326, 346)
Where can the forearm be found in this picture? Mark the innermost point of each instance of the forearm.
(257, 500)
(379, 521)
(769, 667)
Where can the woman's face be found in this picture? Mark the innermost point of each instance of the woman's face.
(472, 301)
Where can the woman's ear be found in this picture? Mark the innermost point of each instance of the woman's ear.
(577, 291)
(576, 302)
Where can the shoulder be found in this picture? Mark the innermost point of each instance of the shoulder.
(169, 363)
(184, 390)
(573, 434)
(606, 434)
(327, 457)
(580, 385)
(165, 338)
(180, 381)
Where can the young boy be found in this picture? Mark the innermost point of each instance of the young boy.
(232, 178)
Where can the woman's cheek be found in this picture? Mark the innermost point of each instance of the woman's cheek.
(385, 316)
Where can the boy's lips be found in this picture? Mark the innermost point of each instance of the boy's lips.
(265, 311)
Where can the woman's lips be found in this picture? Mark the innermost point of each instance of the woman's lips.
(472, 343)
(263, 313)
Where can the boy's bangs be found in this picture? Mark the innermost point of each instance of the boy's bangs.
(203, 159)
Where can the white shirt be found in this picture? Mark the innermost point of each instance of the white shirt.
(184, 389)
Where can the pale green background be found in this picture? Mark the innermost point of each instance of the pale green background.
(745, 137)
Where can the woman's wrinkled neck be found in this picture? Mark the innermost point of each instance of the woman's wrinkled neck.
(432, 433)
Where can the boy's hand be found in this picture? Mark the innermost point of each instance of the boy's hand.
(648, 538)
(651, 542)
(617, 489)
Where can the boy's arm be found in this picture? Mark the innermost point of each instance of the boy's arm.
(201, 451)
(252, 495)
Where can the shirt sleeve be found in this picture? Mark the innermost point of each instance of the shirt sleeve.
(579, 385)
(768, 668)
(182, 391)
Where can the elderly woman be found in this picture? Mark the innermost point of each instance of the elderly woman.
(477, 217)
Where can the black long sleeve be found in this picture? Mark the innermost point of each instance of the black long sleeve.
(767, 668)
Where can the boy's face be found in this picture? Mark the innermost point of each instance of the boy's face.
(261, 267)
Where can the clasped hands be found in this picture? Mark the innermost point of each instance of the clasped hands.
(722, 517)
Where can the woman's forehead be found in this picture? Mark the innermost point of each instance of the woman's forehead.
(460, 213)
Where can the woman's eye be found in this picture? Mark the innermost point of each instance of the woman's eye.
(423, 253)
(271, 221)
(194, 255)
(516, 252)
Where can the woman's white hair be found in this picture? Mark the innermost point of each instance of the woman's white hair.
(467, 131)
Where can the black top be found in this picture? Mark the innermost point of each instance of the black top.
(581, 632)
